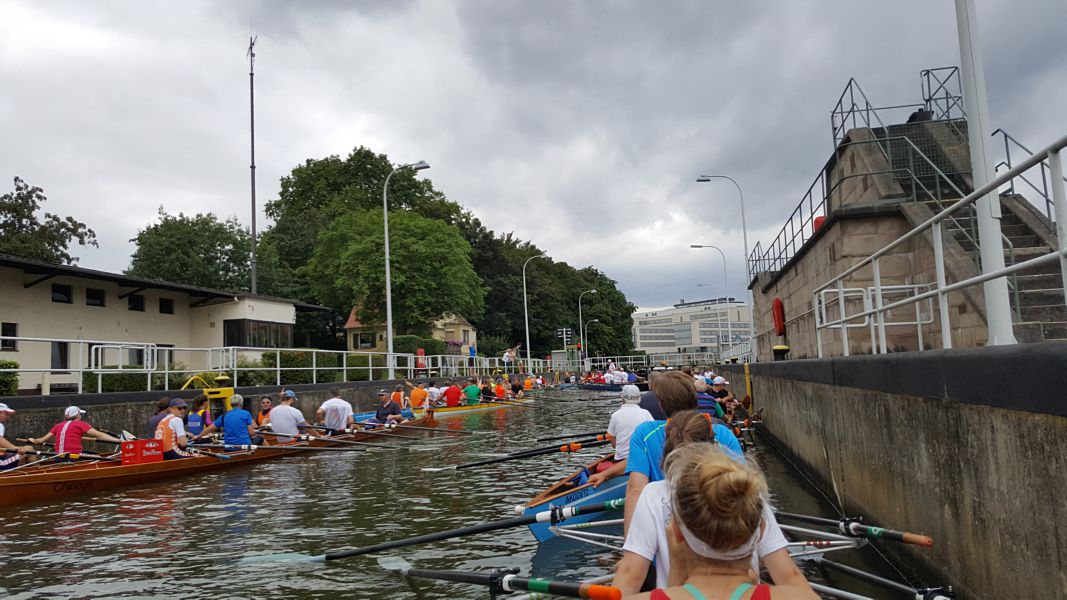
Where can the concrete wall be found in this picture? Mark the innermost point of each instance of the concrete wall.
(966, 446)
(35, 415)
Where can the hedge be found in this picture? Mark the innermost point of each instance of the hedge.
(408, 344)
(132, 382)
(9, 382)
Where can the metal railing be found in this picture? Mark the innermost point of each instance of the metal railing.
(943, 93)
(941, 288)
(1039, 183)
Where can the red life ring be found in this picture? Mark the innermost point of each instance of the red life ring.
(778, 312)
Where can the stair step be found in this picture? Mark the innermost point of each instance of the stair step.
(1014, 230)
(1045, 313)
(1049, 268)
(1024, 241)
(1050, 281)
(1054, 331)
(1022, 254)
(1047, 297)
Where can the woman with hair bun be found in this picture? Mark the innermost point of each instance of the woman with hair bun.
(689, 447)
(718, 521)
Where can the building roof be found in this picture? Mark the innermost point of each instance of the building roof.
(47, 270)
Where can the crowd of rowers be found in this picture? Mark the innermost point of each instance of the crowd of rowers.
(698, 521)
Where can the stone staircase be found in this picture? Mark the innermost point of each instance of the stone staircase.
(1039, 312)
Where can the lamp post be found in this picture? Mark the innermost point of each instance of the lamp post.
(744, 237)
(390, 359)
(586, 328)
(729, 326)
(581, 328)
(526, 309)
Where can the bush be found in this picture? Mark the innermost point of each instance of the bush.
(9, 382)
(408, 344)
(357, 366)
(255, 377)
(115, 382)
(300, 363)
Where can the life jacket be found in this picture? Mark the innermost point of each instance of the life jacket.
(262, 418)
(398, 397)
(196, 422)
(528, 384)
(500, 391)
(166, 435)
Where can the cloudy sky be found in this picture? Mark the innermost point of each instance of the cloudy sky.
(577, 125)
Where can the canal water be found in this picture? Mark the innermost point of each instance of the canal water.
(186, 537)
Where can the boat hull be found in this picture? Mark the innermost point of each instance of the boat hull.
(571, 492)
(611, 387)
(464, 409)
(34, 484)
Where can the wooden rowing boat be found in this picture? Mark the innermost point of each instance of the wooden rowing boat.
(466, 409)
(53, 481)
(611, 387)
(574, 490)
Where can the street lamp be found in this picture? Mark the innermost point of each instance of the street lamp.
(526, 310)
(729, 327)
(744, 236)
(581, 328)
(390, 359)
(586, 328)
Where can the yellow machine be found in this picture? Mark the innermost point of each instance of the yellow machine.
(218, 396)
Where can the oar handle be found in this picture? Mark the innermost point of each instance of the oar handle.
(561, 588)
(855, 528)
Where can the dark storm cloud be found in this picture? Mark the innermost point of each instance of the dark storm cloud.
(578, 125)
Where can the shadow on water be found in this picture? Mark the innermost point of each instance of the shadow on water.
(184, 537)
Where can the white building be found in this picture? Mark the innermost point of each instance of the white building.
(73, 313)
(703, 326)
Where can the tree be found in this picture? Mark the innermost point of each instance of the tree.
(430, 268)
(23, 234)
(199, 250)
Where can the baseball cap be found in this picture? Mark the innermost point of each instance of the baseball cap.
(178, 403)
(381, 392)
(630, 394)
(6, 409)
(73, 411)
(719, 381)
(289, 394)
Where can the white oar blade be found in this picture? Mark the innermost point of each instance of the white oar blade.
(289, 557)
(437, 469)
(394, 564)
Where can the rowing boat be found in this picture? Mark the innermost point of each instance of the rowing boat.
(51, 481)
(611, 387)
(440, 412)
(573, 491)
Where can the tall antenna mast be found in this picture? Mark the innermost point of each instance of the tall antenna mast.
(252, 114)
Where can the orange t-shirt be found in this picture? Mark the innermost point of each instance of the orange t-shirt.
(528, 384)
(418, 397)
(500, 391)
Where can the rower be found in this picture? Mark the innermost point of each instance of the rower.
(387, 412)
(399, 397)
(237, 426)
(707, 526)
(499, 390)
(722, 395)
(516, 388)
(620, 429)
(200, 417)
(265, 406)
(433, 393)
(336, 413)
(171, 431)
(287, 420)
(162, 410)
(473, 392)
(708, 403)
(419, 394)
(9, 460)
(452, 394)
(69, 433)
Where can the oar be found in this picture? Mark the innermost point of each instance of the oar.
(59, 454)
(938, 593)
(27, 441)
(256, 447)
(418, 428)
(505, 580)
(553, 515)
(571, 447)
(853, 526)
(305, 438)
(567, 437)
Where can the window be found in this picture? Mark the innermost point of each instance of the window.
(135, 358)
(166, 306)
(164, 355)
(260, 334)
(60, 356)
(63, 294)
(94, 297)
(9, 330)
(363, 340)
(136, 302)
(466, 336)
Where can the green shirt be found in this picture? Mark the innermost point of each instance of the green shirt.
(473, 393)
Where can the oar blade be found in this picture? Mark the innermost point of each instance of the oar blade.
(394, 564)
(438, 469)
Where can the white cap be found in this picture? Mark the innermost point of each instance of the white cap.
(720, 381)
(73, 411)
(6, 409)
(630, 394)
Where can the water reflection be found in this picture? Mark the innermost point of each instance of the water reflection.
(182, 537)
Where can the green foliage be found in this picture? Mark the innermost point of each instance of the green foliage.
(133, 382)
(257, 376)
(196, 250)
(492, 345)
(358, 366)
(297, 367)
(431, 269)
(410, 343)
(9, 382)
(23, 234)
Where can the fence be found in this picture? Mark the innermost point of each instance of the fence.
(940, 288)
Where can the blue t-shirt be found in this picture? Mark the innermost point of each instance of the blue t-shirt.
(235, 427)
(646, 448)
(631, 377)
